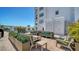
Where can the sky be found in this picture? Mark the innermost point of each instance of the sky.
(17, 16)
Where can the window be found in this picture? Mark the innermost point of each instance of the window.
(36, 17)
(57, 12)
(41, 21)
(36, 28)
(35, 23)
(43, 28)
(41, 8)
(35, 11)
(42, 14)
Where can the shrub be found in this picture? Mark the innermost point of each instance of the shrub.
(14, 34)
(73, 31)
(20, 37)
(63, 42)
(23, 38)
(34, 32)
(44, 34)
(48, 34)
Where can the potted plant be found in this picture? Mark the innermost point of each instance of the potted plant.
(73, 30)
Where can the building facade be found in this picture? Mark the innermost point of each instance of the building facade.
(54, 19)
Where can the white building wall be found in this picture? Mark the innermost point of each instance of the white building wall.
(66, 14)
(59, 26)
(76, 13)
(51, 23)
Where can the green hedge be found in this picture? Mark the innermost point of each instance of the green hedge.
(44, 34)
(63, 42)
(14, 34)
(20, 37)
(34, 32)
(48, 34)
(23, 38)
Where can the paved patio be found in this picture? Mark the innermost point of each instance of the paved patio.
(52, 45)
(5, 44)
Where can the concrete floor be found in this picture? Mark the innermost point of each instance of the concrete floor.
(5, 44)
(52, 45)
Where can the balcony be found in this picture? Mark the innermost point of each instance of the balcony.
(41, 14)
(41, 8)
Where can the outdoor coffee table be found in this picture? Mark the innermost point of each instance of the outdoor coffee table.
(41, 43)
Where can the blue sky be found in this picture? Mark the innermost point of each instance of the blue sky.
(17, 16)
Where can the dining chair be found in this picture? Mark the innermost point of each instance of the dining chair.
(32, 42)
(69, 45)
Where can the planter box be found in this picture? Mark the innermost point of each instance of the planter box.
(20, 46)
(77, 46)
(12, 39)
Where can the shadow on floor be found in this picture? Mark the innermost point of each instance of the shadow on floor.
(39, 49)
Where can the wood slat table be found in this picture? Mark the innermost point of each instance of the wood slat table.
(42, 43)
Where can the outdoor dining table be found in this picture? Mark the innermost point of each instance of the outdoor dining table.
(41, 44)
